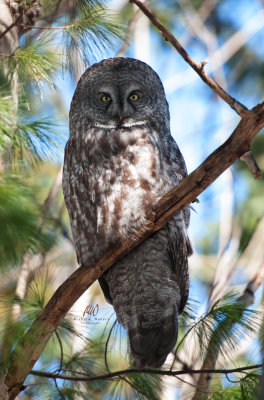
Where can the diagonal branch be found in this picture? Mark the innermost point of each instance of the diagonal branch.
(198, 67)
(31, 345)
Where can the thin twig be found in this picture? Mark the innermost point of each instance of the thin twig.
(16, 22)
(145, 371)
(192, 385)
(131, 384)
(252, 164)
(106, 362)
(2, 58)
(106, 346)
(88, 21)
(61, 350)
(198, 67)
(58, 390)
(130, 29)
(8, 28)
(61, 363)
(184, 338)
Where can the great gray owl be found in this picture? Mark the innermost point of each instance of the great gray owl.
(120, 160)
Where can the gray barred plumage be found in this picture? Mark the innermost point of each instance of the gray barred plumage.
(120, 160)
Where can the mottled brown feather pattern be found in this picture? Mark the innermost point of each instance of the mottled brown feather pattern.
(115, 171)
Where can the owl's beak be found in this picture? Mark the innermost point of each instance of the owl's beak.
(121, 118)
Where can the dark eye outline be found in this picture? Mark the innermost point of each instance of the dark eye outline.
(105, 98)
(135, 96)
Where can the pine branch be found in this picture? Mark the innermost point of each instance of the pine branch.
(84, 378)
(34, 61)
(214, 346)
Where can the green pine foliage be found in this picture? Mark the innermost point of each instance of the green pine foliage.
(19, 223)
(23, 140)
(86, 29)
(147, 386)
(35, 61)
(91, 31)
(246, 389)
(221, 328)
(225, 325)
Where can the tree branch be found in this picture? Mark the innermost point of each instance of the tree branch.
(86, 377)
(198, 67)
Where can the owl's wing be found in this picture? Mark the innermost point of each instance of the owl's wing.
(82, 210)
(176, 169)
(179, 249)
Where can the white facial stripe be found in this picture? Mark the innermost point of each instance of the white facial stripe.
(125, 125)
(136, 123)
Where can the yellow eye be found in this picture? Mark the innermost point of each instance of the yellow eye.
(105, 98)
(134, 97)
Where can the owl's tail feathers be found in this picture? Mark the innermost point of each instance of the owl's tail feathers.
(150, 347)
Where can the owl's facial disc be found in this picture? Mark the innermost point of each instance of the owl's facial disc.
(120, 104)
(119, 93)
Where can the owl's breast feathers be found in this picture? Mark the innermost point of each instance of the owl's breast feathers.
(114, 178)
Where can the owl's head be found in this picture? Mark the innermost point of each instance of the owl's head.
(119, 93)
